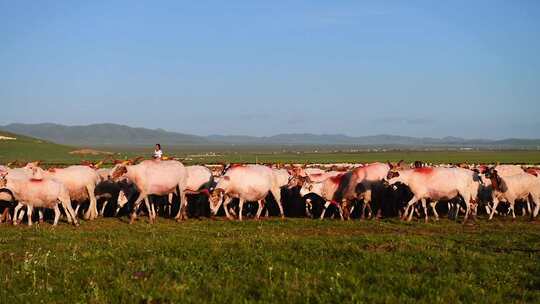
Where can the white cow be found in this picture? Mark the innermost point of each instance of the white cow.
(247, 183)
(79, 180)
(44, 193)
(511, 188)
(437, 184)
(158, 177)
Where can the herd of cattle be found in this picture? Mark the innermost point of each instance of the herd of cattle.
(344, 191)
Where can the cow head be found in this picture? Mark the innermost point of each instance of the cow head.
(118, 172)
(396, 166)
(346, 208)
(490, 172)
(307, 188)
(296, 181)
(496, 181)
(391, 174)
(122, 200)
(216, 198)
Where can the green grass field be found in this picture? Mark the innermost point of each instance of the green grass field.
(26, 149)
(292, 261)
(296, 260)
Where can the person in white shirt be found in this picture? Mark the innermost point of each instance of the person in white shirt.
(158, 154)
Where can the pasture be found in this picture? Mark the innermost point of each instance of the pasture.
(295, 260)
(291, 260)
(27, 149)
(57, 155)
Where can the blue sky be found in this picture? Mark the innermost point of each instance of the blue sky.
(419, 68)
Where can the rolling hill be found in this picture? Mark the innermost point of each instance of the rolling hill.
(15, 147)
(102, 135)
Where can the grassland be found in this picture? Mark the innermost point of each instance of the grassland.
(296, 260)
(27, 149)
(529, 157)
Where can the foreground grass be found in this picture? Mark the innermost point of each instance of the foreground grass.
(296, 260)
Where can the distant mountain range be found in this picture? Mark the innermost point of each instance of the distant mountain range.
(108, 134)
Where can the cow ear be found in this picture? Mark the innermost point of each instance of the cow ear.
(390, 165)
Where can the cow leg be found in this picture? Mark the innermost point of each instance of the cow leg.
(29, 210)
(136, 205)
(352, 210)
(150, 215)
(261, 207)
(170, 199)
(324, 209)
(56, 214)
(102, 211)
(153, 207)
(364, 205)
(183, 203)
(424, 206)
(488, 209)
(370, 210)
(226, 202)
(433, 207)
(15, 218)
(40, 212)
(308, 207)
(277, 195)
(409, 207)
(512, 204)
(412, 212)
(367, 199)
(495, 203)
(469, 203)
(21, 215)
(240, 207)
(77, 209)
(536, 203)
(340, 211)
(92, 212)
(70, 213)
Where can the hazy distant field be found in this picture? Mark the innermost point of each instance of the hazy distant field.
(26, 149)
(296, 260)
